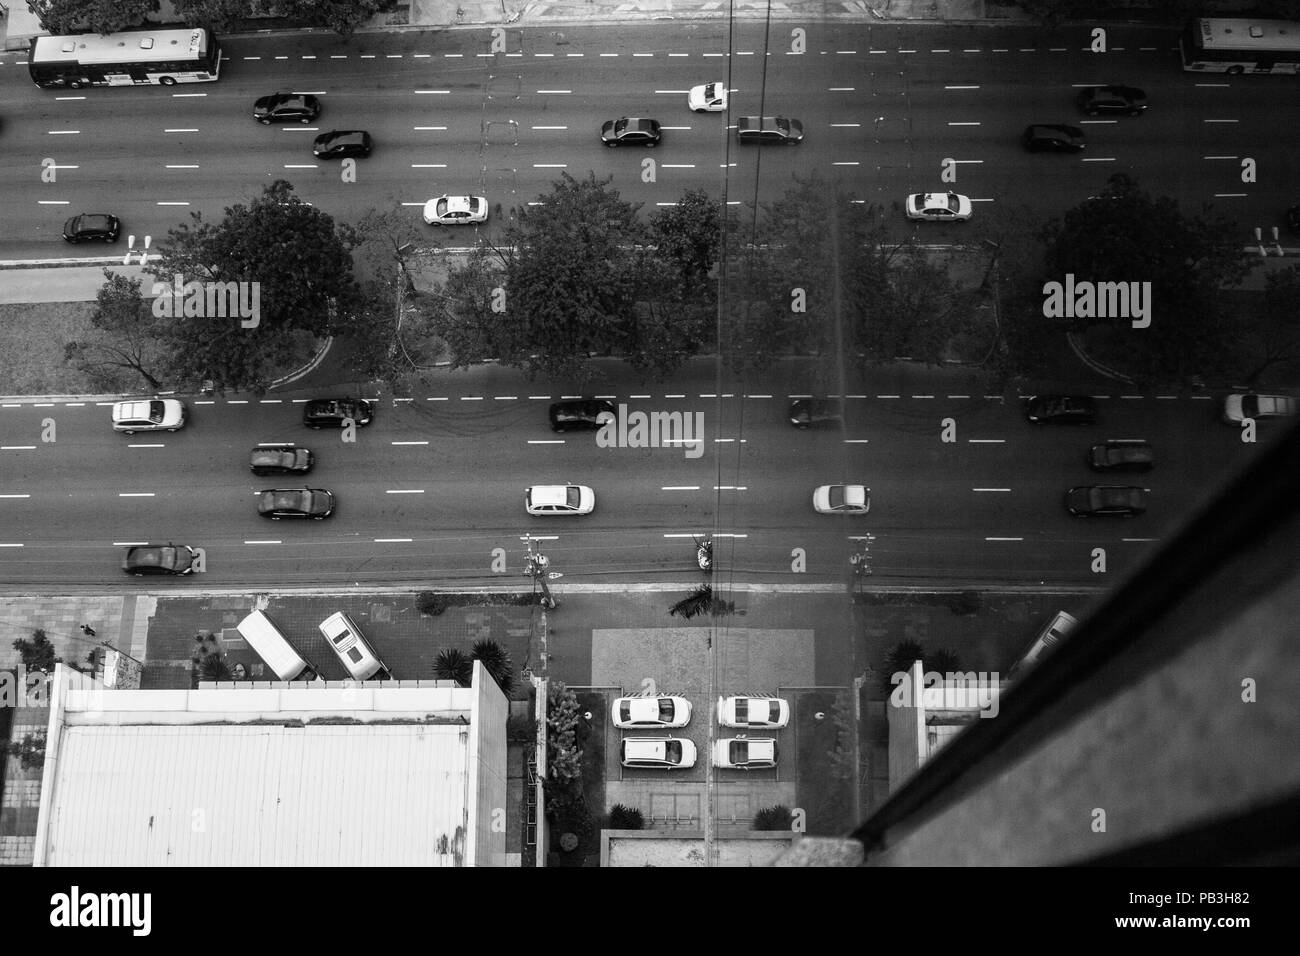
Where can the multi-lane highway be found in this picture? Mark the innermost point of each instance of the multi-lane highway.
(883, 110)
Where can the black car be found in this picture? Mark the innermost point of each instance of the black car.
(334, 412)
(159, 559)
(315, 503)
(1106, 501)
(581, 414)
(815, 413)
(342, 143)
(630, 131)
(286, 108)
(280, 460)
(1293, 218)
(1061, 410)
(1053, 139)
(761, 130)
(1108, 100)
(92, 228)
(1121, 456)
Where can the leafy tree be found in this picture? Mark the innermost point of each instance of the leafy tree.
(130, 336)
(1273, 339)
(496, 662)
(773, 819)
(462, 314)
(689, 235)
(341, 16)
(1124, 234)
(30, 751)
(38, 653)
(452, 664)
(563, 757)
(304, 274)
(902, 302)
(218, 15)
(625, 818)
(899, 660)
(91, 16)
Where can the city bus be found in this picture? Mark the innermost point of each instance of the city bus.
(189, 55)
(1241, 46)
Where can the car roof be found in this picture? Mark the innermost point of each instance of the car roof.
(550, 494)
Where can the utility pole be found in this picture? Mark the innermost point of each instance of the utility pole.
(535, 568)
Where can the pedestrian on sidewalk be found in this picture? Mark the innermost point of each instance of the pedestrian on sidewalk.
(88, 630)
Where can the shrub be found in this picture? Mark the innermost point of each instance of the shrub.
(452, 664)
(496, 662)
(773, 818)
(38, 653)
(625, 818)
(943, 661)
(432, 603)
(899, 659)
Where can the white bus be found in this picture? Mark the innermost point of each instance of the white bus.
(1241, 46)
(190, 55)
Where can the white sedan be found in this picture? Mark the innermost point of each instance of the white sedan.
(769, 713)
(455, 210)
(743, 753)
(842, 500)
(631, 713)
(709, 98)
(559, 500)
(149, 415)
(1237, 408)
(938, 207)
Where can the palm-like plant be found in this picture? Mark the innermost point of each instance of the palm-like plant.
(496, 662)
(213, 667)
(699, 601)
(452, 664)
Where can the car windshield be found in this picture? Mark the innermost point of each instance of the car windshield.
(572, 496)
(625, 711)
(1250, 406)
(673, 751)
(736, 751)
(711, 90)
(837, 496)
(156, 411)
(665, 709)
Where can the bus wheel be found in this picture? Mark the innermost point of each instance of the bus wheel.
(167, 80)
(1235, 71)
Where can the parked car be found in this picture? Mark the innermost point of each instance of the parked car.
(938, 207)
(1052, 634)
(1237, 408)
(456, 211)
(769, 713)
(280, 460)
(285, 107)
(1059, 138)
(744, 753)
(144, 559)
(630, 131)
(92, 227)
(277, 503)
(1106, 501)
(335, 412)
(816, 413)
(1110, 100)
(341, 144)
(149, 415)
(559, 500)
(766, 130)
(1061, 410)
(582, 414)
(659, 712)
(351, 646)
(657, 753)
(842, 500)
(1118, 455)
(709, 98)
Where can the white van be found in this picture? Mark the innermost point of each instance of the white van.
(274, 648)
(351, 646)
(1057, 628)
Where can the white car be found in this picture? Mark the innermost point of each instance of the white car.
(149, 415)
(1237, 408)
(744, 753)
(938, 207)
(661, 711)
(559, 500)
(455, 210)
(709, 98)
(842, 500)
(769, 713)
(657, 753)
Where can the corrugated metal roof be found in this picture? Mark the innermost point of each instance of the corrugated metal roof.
(262, 795)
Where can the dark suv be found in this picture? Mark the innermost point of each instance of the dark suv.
(581, 414)
(333, 412)
(1118, 455)
(286, 108)
(816, 413)
(1061, 410)
(92, 228)
(761, 130)
(280, 460)
(1053, 139)
(630, 131)
(342, 143)
(1109, 100)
